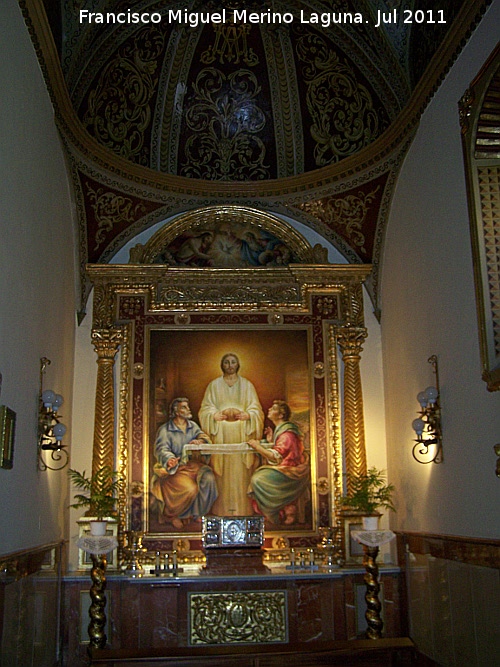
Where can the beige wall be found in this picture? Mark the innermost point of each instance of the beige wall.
(428, 307)
(37, 302)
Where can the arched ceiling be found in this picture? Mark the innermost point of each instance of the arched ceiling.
(308, 117)
(234, 101)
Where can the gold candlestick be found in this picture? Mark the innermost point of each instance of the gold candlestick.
(135, 552)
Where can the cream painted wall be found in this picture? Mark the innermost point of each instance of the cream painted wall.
(428, 307)
(37, 295)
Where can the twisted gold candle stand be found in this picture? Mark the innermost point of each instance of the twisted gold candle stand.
(371, 540)
(97, 608)
(373, 605)
(97, 547)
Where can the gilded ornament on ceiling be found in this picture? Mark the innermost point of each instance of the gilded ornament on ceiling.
(120, 107)
(347, 213)
(230, 46)
(342, 109)
(111, 209)
(224, 121)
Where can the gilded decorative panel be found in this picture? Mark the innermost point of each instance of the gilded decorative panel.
(353, 215)
(238, 618)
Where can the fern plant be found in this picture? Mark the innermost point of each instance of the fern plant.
(99, 491)
(369, 492)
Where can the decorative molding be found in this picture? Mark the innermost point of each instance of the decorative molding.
(24, 563)
(479, 116)
(469, 550)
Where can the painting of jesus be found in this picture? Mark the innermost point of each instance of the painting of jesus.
(231, 380)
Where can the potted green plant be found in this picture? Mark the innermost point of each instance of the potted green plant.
(369, 493)
(99, 494)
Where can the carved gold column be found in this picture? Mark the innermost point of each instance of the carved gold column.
(106, 343)
(350, 340)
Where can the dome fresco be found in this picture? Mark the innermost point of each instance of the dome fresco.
(301, 108)
(235, 101)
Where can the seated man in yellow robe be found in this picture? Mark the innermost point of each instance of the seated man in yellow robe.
(182, 488)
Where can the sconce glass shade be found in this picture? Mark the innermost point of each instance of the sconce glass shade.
(52, 453)
(57, 402)
(422, 398)
(418, 426)
(432, 394)
(48, 398)
(428, 447)
(59, 430)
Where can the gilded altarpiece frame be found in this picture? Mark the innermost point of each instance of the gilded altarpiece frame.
(321, 303)
(479, 119)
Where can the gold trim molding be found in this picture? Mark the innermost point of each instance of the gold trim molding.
(479, 119)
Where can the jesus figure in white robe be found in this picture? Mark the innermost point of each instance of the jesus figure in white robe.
(231, 413)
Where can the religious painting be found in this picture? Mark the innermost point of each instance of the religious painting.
(229, 429)
(236, 245)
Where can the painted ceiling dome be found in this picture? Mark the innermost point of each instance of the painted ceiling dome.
(236, 100)
(272, 90)
(301, 108)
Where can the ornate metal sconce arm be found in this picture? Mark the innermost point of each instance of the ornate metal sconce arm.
(428, 446)
(50, 428)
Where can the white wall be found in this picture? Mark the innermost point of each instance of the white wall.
(428, 307)
(37, 295)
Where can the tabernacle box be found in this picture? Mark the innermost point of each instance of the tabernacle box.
(232, 531)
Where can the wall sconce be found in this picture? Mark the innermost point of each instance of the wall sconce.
(50, 429)
(429, 440)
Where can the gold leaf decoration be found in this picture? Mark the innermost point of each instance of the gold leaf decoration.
(224, 121)
(120, 107)
(341, 107)
(232, 618)
(348, 212)
(110, 209)
(230, 46)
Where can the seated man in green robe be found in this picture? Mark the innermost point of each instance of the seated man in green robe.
(276, 485)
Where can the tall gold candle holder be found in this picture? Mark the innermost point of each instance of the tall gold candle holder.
(332, 560)
(135, 552)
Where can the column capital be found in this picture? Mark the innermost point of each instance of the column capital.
(351, 340)
(106, 342)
